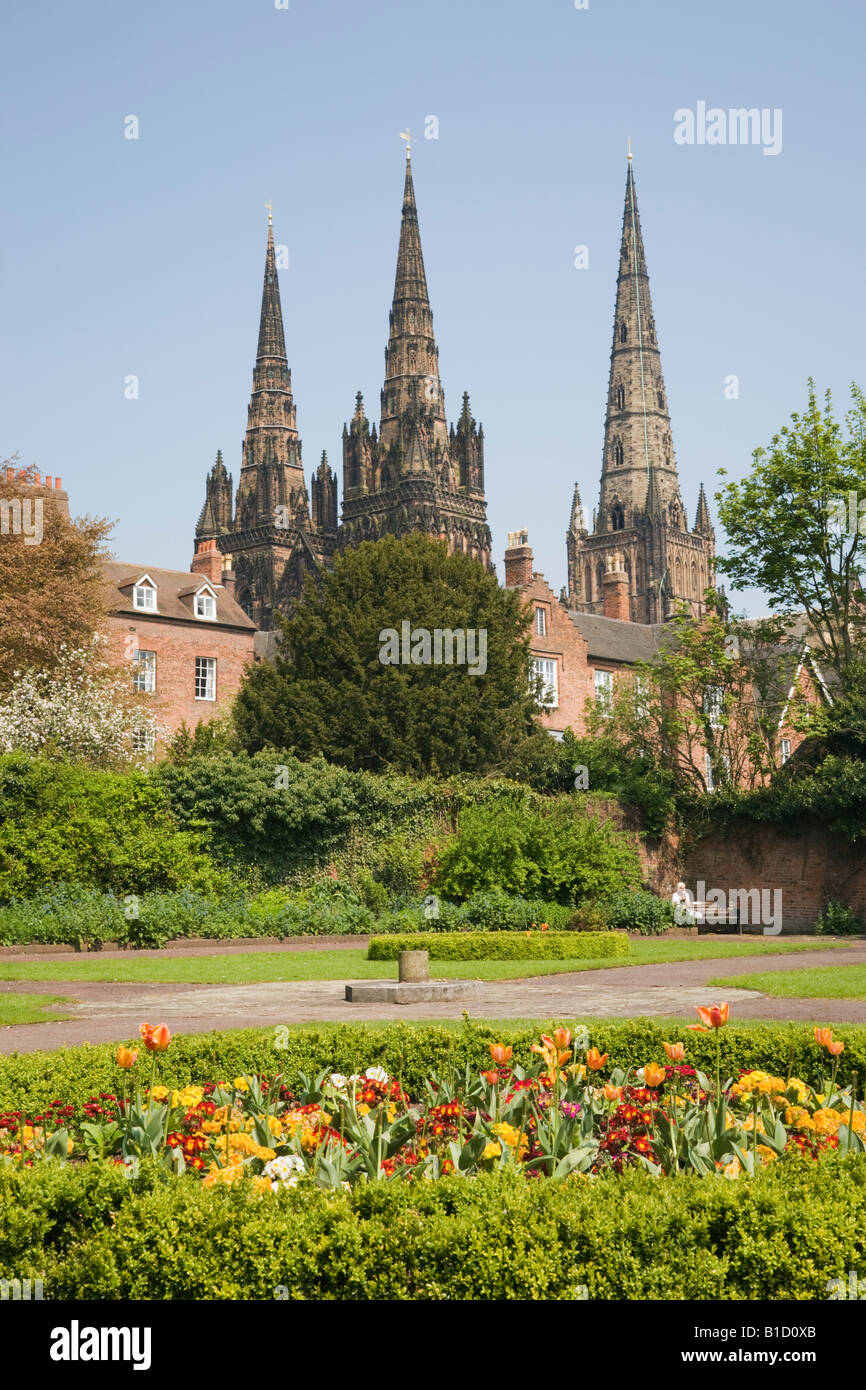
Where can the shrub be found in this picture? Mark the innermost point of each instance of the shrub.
(95, 1234)
(557, 853)
(502, 945)
(639, 911)
(65, 823)
(839, 920)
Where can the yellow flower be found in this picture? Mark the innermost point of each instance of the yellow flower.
(240, 1083)
(732, 1169)
(767, 1154)
(798, 1118)
(827, 1121)
(159, 1093)
(262, 1184)
(492, 1151)
(363, 1109)
(510, 1136)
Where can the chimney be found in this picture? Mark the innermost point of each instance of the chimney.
(208, 561)
(518, 560)
(615, 587)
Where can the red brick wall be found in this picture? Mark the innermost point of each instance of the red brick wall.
(563, 643)
(176, 646)
(810, 865)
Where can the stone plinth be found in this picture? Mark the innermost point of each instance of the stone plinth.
(411, 992)
(413, 967)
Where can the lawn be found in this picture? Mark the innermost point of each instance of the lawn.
(29, 1008)
(255, 967)
(823, 982)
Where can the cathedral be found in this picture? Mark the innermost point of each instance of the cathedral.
(415, 473)
(637, 563)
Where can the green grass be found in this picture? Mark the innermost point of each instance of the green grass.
(29, 1008)
(823, 982)
(255, 967)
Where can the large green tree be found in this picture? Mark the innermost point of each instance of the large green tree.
(796, 525)
(340, 684)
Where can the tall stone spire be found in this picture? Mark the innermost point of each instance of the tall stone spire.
(641, 517)
(703, 524)
(412, 385)
(414, 475)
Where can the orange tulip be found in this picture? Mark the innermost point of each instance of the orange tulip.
(126, 1058)
(823, 1037)
(156, 1039)
(713, 1016)
(545, 927)
(835, 1048)
(491, 1077)
(653, 1075)
(562, 1037)
(500, 1054)
(595, 1060)
(675, 1051)
(612, 1092)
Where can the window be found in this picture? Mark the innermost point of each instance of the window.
(205, 606)
(544, 669)
(143, 739)
(144, 596)
(618, 453)
(205, 678)
(785, 750)
(623, 333)
(709, 777)
(144, 672)
(541, 622)
(617, 517)
(619, 397)
(641, 697)
(604, 688)
(714, 704)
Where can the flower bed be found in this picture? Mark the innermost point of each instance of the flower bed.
(562, 1112)
(541, 944)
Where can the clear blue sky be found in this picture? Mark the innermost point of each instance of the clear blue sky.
(145, 257)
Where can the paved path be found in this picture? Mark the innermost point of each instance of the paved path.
(112, 1012)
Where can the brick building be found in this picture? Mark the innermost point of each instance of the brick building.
(184, 638)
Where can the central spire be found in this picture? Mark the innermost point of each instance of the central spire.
(412, 389)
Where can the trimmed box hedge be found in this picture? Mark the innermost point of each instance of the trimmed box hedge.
(91, 1233)
(29, 1081)
(554, 945)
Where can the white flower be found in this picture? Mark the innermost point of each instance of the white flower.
(286, 1169)
(376, 1074)
(338, 1081)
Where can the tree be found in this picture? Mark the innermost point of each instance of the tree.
(83, 708)
(361, 677)
(796, 525)
(51, 586)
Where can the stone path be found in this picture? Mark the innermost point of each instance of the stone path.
(111, 1012)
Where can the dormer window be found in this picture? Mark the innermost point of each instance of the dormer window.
(144, 595)
(205, 606)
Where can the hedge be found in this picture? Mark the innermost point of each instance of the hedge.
(92, 1233)
(30, 1081)
(537, 945)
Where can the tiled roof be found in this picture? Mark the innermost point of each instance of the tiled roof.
(611, 639)
(174, 595)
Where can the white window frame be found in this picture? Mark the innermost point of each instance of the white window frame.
(546, 669)
(641, 697)
(603, 685)
(144, 596)
(144, 672)
(143, 739)
(540, 622)
(206, 677)
(709, 771)
(205, 599)
(784, 750)
(714, 704)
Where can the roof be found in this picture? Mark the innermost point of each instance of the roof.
(612, 639)
(175, 590)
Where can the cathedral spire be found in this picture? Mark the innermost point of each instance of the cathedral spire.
(272, 340)
(703, 524)
(412, 384)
